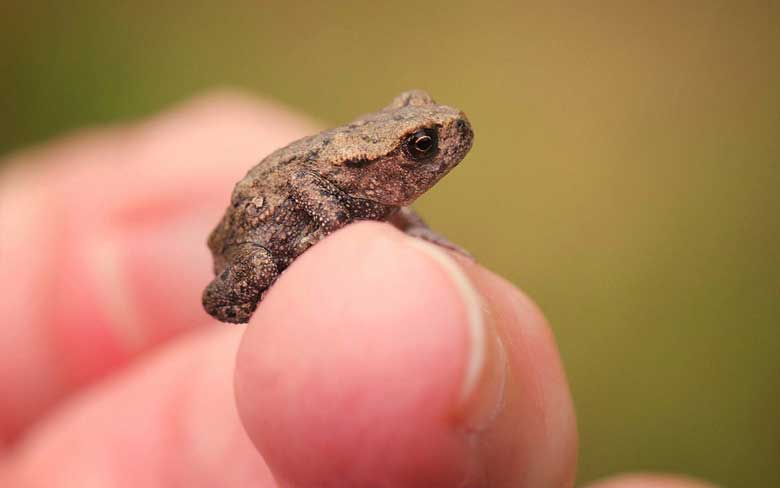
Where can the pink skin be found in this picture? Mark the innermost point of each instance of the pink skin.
(374, 361)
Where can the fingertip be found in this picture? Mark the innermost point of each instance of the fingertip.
(355, 362)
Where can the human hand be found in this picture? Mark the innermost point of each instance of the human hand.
(375, 360)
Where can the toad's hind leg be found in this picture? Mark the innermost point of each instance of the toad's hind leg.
(232, 296)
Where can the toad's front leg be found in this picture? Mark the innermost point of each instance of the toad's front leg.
(412, 224)
(325, 204)
(232, 296)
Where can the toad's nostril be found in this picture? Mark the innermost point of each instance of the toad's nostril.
(462, 125)
(464, 129)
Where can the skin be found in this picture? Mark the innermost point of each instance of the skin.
(112, 375)
(370, 169)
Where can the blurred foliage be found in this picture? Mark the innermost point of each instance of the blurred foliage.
(625, 172)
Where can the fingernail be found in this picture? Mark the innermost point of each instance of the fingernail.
(481, 395)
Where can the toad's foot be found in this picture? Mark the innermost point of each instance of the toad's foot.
(412, 224)
(233, 295)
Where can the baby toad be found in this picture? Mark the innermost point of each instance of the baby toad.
(370, 169)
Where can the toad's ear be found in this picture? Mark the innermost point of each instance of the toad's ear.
(414, 98)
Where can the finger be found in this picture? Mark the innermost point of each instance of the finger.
(168, 421)
(375, 359)
(102, 242)
(650, 481)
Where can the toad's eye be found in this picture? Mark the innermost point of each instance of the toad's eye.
(423, 144)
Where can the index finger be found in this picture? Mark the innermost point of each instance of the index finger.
(102, 242)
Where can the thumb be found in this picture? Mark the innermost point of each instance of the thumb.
(376, 360)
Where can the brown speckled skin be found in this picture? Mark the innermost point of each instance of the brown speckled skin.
(316, 185)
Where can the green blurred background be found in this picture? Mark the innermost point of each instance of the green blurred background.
(625, 173)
